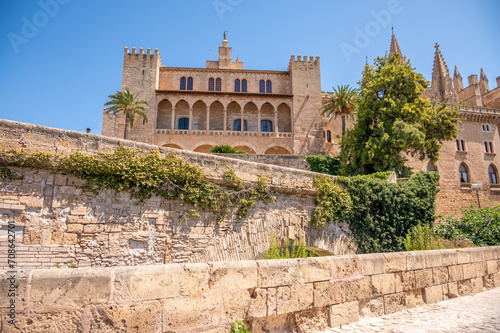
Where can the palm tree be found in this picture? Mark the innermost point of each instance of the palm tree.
(342, 102)
(127, 102)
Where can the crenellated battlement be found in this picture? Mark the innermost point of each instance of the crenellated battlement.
(301, 61)
(148, 59)
(299, 58)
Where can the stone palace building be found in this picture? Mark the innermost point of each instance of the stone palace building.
(256, 111)
(278, 113)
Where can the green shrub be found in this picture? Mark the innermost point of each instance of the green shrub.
(298, 250)
(422, 237)
(323, 164)
(383, 213)
(223, 149)
(479, 225)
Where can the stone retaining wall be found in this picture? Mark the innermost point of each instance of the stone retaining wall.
(108, 229)
(270, 295)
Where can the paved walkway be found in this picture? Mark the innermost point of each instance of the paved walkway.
(476, 313)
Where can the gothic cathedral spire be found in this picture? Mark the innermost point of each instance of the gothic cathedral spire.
(395, 47)
(441, 80)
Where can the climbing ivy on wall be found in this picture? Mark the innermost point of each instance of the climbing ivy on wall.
(144, 174)
(382, 213)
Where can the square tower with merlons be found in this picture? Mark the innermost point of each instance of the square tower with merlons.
(253, 110)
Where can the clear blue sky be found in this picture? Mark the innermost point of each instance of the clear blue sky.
(59, 63)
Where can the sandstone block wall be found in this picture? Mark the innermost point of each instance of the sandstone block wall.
(59, 224)
(271, 295)
(288, 161)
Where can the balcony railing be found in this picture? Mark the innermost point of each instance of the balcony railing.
(224, 133)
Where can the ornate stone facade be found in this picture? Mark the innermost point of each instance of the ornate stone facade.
(256, 111)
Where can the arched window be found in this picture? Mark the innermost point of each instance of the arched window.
(244, 85)
(266, 126)
(211, 84)
(262, 86)
(218, 84)
(237, 85)
(190, 83)
(183, 83)
(237, 125)
(269, 87)
(431, 167)
(464, 174)
(492, 173)
(184, 123)
(328, 136)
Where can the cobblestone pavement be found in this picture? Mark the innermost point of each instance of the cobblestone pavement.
(476, 313)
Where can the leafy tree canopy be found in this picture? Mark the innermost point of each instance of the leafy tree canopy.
(394, 121)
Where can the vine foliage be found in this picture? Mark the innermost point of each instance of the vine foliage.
(379, 214)
(145, 174)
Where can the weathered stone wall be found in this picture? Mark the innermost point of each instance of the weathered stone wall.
(271, 295)
(288, 161)
(59, 224)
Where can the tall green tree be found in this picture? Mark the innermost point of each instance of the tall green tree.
(342, 102)
(127, 103)
(393, 121)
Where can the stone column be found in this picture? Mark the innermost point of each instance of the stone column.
(208, 119)
(276, 122)
(172, 119)
(190, 118)
(242, 122)
(258, 121)
(225, 120)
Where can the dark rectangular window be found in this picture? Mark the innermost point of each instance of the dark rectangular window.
(183, 83)
(218, 84)
(244, 85)
(266, 126)
(211, 84)
(190, 83)
(184, 123)
(237, 85)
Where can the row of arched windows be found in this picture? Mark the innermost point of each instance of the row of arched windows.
(216, 85)
(189, 85)
(265, 86)
(240, 86)
(463, 172)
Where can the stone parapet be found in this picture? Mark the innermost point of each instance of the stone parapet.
(276, 295)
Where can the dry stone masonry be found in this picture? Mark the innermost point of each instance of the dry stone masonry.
(271, 295)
